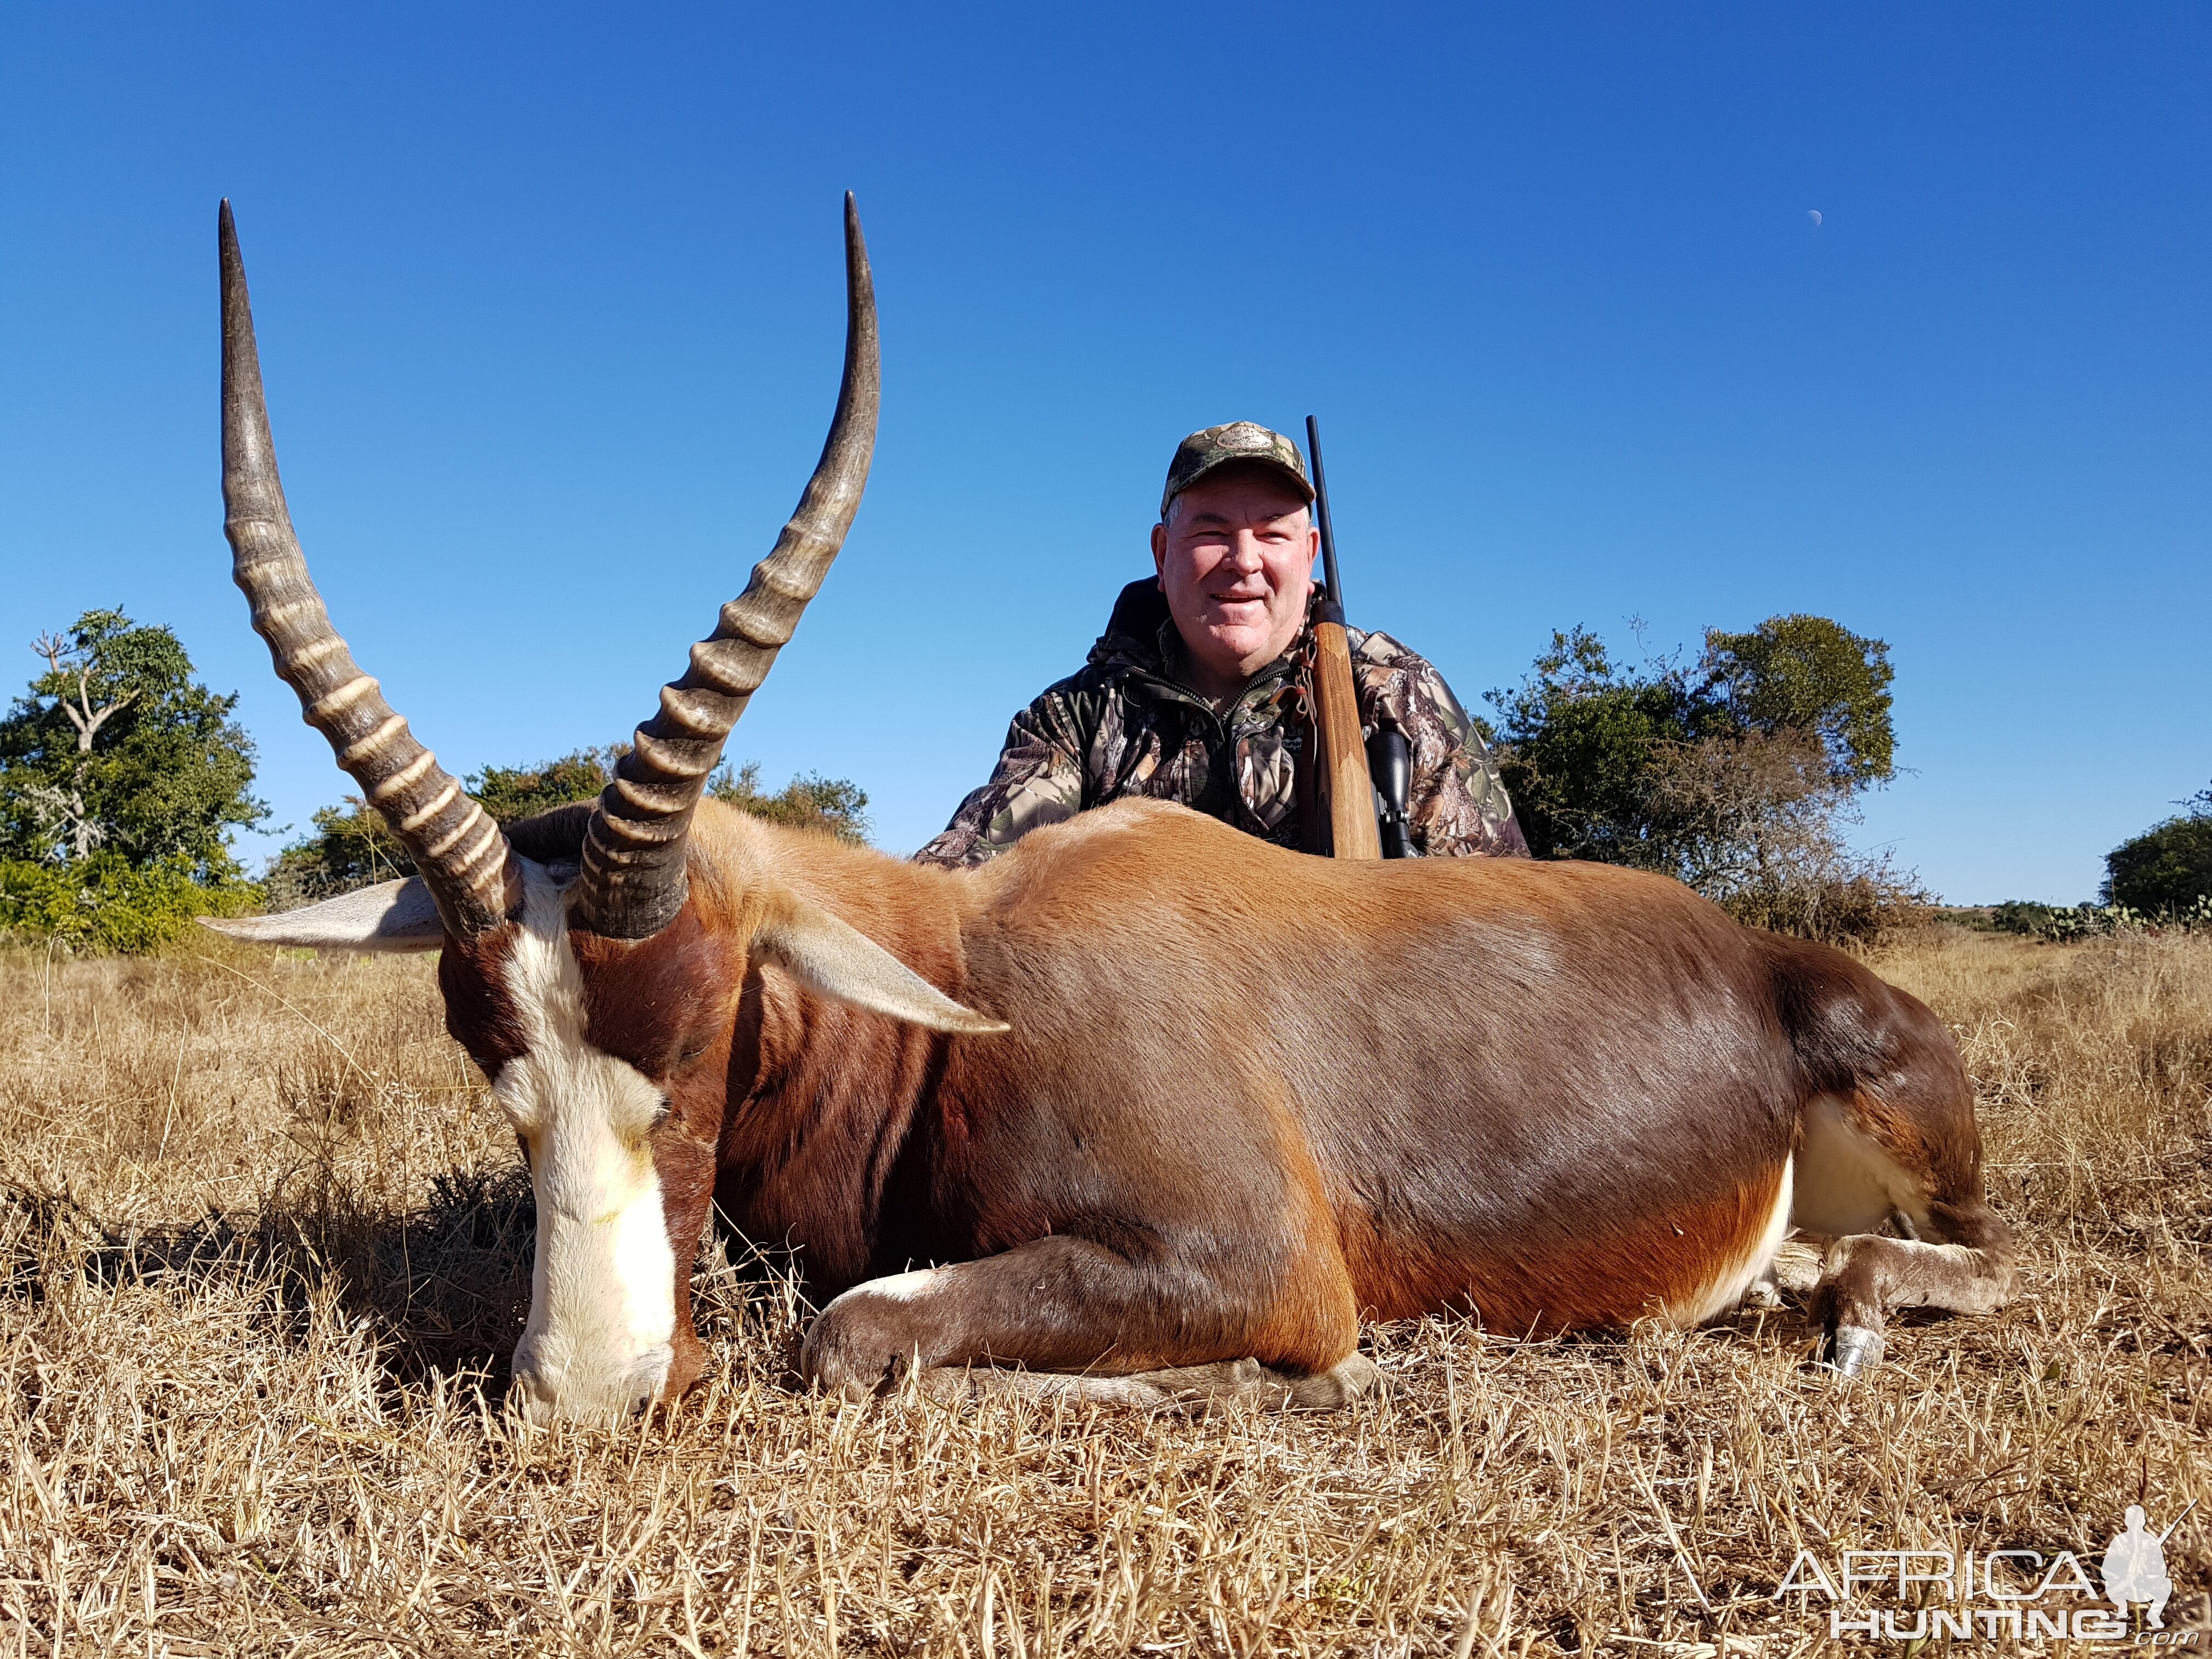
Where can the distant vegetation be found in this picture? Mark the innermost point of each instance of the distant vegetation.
(121, 777)
(1736, 774)
(350, 846)
(2160, 878)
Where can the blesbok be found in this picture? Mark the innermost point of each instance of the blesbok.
(1143, 1107)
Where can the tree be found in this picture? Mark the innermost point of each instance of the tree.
(116, 746)
(1579, 740)
(2167, 870)
(121, 778)
(1806, 674)
(352, 847)
(1734, 776)
(508, 792)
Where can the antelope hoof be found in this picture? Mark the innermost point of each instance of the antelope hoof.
(1351, 1378)
(1854, 1350)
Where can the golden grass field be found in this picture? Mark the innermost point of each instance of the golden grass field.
(266, 1240)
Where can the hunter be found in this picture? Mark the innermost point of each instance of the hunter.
(1197, 691)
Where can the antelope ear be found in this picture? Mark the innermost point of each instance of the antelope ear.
(839, 961)
(392, 915)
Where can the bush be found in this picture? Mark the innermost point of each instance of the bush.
(2167, 870)
(811, 801)
(835, 806)
(2034, 920)
(2073, 921)
(509, 792)
(1753, 822)
(102, 902)
(351, 847)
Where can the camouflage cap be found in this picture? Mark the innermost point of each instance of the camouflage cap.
(1240, 440)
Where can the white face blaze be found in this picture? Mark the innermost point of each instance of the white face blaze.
(603, 1287)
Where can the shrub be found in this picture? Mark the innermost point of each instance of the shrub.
(2034, 920)
(509, 792)
(836, 806)
(2166, 870)
(102, 902)
(351, 846)
(1753, 822)
(2074, 922)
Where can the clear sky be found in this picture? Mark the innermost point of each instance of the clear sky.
(550, 309)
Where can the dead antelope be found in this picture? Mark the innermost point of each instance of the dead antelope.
(1145, 1106)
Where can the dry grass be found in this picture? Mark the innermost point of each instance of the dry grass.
(265, 1243)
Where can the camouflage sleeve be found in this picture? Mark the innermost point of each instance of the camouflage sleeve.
(1038, 781)
(1458, 803)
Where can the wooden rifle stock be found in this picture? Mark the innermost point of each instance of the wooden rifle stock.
(1344, 792)
(1345, 795)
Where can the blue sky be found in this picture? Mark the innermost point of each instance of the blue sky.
(550, 310)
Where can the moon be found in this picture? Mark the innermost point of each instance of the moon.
(1814, 214)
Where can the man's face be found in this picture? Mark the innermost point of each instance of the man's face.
(1235, 558)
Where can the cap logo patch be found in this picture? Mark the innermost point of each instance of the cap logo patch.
(1245, 435)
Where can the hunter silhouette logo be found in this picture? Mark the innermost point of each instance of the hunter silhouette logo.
(2135, 1566)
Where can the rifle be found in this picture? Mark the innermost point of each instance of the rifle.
(1347, 780)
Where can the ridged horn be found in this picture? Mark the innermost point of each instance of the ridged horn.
(459, 851)
(633, 880)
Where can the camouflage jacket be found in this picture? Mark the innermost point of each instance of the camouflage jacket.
(1125, 726)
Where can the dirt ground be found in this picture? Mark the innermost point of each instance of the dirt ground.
(265, 1243)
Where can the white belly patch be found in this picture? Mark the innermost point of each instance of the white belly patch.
(1728, 1285)
(1846, 1183)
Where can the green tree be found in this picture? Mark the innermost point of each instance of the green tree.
(117, 748)
(121, 777)
(2166, 870)
(350, 846)
(1806, 674)
(1580, 739)
(509, 792)
(1734, 775)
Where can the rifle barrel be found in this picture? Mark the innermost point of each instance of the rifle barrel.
(2178, 1520)
(1328, 575)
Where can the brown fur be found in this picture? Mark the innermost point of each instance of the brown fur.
(1250, 1097)
(1610, 1275)
(479, 1013)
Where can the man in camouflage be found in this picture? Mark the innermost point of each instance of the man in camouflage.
(1199, 689)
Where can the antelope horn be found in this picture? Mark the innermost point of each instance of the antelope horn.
(633, 880)
(459, 851)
